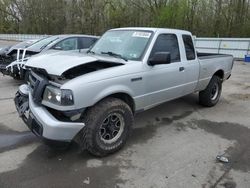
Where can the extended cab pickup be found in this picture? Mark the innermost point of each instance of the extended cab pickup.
(92, 97)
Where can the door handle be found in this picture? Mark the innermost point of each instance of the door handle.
(136, 79)
(181, 69)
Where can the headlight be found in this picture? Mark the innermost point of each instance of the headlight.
(58, 96)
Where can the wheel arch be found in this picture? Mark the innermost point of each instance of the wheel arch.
(125, 97)
(219, 73)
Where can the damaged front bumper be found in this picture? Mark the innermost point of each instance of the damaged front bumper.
(10, 65)
(40, 121)
(12, 70)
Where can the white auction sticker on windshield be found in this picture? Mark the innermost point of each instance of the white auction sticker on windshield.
(141, 34)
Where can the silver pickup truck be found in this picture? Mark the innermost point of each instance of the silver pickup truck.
(92, 97)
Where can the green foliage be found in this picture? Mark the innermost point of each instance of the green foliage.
(224, 18)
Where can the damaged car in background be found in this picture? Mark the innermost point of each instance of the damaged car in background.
(91, 98)
(8, 54)
(51, 44)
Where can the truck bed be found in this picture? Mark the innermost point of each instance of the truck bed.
(211, 63)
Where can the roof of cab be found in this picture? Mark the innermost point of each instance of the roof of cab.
(153, 29)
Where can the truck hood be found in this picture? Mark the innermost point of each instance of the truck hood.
(58, 62)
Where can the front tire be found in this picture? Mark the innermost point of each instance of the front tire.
(211, 95)
(107, 127)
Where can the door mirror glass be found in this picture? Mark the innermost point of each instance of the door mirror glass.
(160, 58)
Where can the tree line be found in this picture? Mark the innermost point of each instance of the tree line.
(210, 18)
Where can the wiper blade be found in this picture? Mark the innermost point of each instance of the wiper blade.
(45, 45)
(90, 52)
(115, 55)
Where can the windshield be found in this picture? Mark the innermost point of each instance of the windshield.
(25, 44)
(123, 44)
(44, 42)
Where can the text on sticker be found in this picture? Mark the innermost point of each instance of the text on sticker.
(141, 34)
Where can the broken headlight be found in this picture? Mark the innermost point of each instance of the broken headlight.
(63, 97)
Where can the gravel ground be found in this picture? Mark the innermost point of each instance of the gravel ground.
(172, 145)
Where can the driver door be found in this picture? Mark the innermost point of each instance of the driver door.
(164, 82)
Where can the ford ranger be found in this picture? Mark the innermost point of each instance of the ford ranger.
(92, 97)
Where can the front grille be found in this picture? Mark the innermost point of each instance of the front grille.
(37, 85)
(32, 81)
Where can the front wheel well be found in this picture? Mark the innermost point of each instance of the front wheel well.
(122, 96)
(126, 98)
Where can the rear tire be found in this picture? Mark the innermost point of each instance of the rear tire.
(211, 95)
(107, 127)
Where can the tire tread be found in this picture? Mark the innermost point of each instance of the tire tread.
(204, 96)
(86, 139)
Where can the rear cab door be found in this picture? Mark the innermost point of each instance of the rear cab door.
(190, 65)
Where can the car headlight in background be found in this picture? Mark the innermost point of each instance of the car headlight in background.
(62, 97)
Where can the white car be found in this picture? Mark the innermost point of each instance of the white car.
(53, 44)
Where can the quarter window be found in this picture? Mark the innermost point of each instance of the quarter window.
(167, 43)
(189, 47)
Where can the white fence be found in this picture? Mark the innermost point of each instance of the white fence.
(238, 47)
(20, 37)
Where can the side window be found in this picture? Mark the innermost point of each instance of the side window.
(67, 44)
(86, 42)
(189, 47)
(167, 43)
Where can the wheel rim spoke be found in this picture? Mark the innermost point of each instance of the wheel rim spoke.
(117, 125)
(215, 92)
(103, 131)
(106, 121)
(114, 133)
(112, 128)
(107, 136)
(114, 118)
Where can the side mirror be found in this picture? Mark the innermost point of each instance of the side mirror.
(160, 58)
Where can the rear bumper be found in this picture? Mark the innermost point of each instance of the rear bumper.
(42, 123)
